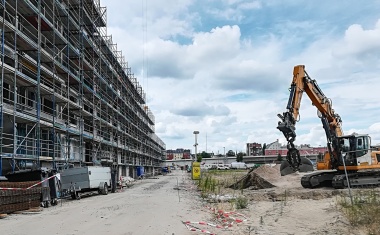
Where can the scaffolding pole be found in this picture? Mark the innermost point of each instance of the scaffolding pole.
(2, 87)
(38, 127)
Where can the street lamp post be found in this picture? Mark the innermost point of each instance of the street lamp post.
(196, 144)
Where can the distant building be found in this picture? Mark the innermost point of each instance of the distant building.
(178, 154)
(254, 149)
(276, 148)
(169, 154)
(186, 154)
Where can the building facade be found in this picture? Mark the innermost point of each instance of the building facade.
(254, 149)
(178, 154)
(67, 93)
(276, 148)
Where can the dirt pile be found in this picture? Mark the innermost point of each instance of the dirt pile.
(269, 173)
(262, 177)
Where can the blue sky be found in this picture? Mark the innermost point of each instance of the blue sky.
(224, 67)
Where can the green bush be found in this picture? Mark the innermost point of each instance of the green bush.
(241, 202)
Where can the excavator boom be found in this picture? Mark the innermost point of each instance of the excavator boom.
(302, 83)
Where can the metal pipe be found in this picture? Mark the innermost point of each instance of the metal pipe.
(348, 181)
(291, 96)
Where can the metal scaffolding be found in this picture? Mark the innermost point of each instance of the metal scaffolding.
(67, 93)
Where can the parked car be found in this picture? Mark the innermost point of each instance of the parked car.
(208, 167)
(223, 167)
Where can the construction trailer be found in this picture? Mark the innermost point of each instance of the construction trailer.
(67, 95)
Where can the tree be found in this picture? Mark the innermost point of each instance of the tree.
(230, 153)
(264, 147)
(205, 155)
(279, 157)
(199, 158)
(239, 156)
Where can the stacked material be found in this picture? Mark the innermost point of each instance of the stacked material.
(16, 197)
(126, 181)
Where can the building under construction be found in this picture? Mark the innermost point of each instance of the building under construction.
(68, 96)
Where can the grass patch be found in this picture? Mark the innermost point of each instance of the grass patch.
(217, 182)
(364, 211)
(208, 184)
(241, 203)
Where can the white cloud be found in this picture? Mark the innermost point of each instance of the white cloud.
(199, 108)
(249, 5)
(199, 66)
(358, 41)
(316, 136)
(232, 10)
(374, 132)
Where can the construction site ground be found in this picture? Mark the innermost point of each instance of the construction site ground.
(162, 204)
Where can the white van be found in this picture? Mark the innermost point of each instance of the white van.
(238, 165)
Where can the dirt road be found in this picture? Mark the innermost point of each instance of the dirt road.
(151, 206)
(155, 206)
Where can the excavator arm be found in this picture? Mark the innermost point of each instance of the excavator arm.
(331, 121)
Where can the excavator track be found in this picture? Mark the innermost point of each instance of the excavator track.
(358, 179)
(318, 179)
(338, 180)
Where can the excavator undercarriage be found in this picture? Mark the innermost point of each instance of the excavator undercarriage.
(338, 179)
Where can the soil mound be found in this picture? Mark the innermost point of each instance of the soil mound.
(262, 177)
(269, 173)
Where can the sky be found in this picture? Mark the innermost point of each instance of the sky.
(224, 68)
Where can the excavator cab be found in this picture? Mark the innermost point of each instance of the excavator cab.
(344, 145)
(353, 148)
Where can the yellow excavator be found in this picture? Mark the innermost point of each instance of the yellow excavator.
(350, 159)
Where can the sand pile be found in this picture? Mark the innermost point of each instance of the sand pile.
(262, 177)
(267, 176)
(269, 173)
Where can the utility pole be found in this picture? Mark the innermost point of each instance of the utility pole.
(225, 157)
(206, 142)
(196, 144)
